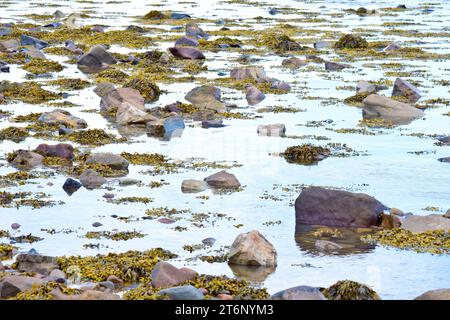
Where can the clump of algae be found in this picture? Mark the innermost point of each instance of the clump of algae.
(350, 41)
(350, 290)
(305, 154)
(6, 251)
(42, 66)
(149, 90)
(116, 236)
(95, 137)
(15, 134)
(112, 75)
(70, 83)
(28, 92)
(44, 292)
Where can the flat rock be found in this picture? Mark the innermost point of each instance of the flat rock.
(327, 246)
(320, 206)
(32, 41)
(193, 186)
(420, 224)
(62, 117)
(299, 293)
(114, 161)
(294, 63)
(9, 45)
(212, 124)
(27, 159)
(166, 275)
(183, 293)
(335, 66)
(252, 249)
(186, 41)
(223, 180)
(187, 53)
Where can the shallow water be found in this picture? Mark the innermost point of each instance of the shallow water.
(387, 170)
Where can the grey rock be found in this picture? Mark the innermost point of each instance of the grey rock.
(193, 30)
(327, 246)
(27, 159)
(253, 95)
(212, 124)
(9, 45)
(62, 117)
(36, 263)
(95, 60)
(299, 293)
(365, 87)
(392, 47)
(255, 73)
(335, 66)
(252, 249)
(32, 41)
(70, 186)
(420, 224)
(129, 181)
(91, 179)
(209, 241)
(187, 53)
(183, 293)
(10, 286)
(323, 44)
(293, 63)
(193, 186)
(114, 161)
(186, 41)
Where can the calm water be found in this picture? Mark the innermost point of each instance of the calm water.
(388, 171)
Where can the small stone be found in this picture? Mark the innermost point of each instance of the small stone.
(224, 296)
(166, 221)
(114, 161)
(209, 241)
(212, 124)
(334, 66)
(15, 226)
(129, 181)
(71, 186)
(299, 293)
(58, 274)
(392, 47)
(108, 195)
(118, 283)
(97, 224)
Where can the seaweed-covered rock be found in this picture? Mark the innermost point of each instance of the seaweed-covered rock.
(166, 275)
(420, 224)
(299, 293)
(26, 159)
(438, 294)
(95, 60)
(350, 290)
(11, 286)
(91, 179)
(148, 89)
(62, 117)
(272, 130)
(350, 41)
(252, 249)
(376, 106)
(305, 154)
(103, 89)
(187, 53)
(320, 206)
(32, 41)
(114, 161)
(253, 95)
(223, 180)
(403, 88)
(35, 263)
(60, 150)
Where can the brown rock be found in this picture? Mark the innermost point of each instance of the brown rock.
(166, 275)
(187, 53)
(420, 224)
(10, 286)
(252, 249)
(60, 150)
(222, 180)
(439, 294)
(36, 263)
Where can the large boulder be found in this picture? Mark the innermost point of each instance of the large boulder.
(62, 117)
(112, 98)
(222, 180)
(319, 206)
(252, 249)
(183, 293)
(60, 150)
(255, 73)
(420, 224)
(403, 88)
(254, 95)
(114, 161)
(36, 263)
(166, 275)
(201, 95)
(129, 114)
(91, 179)
(438, 294)
(187, 53)
(299, 293)
(95, 60)
(10, 286)
(376, 106)
(26, 159)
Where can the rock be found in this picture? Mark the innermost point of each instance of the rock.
(225, 297)
(209, 241)
(319, 206)
(118, 283)
(187, 53)
(4, 32)
(327, 246)
(58, 14)
(10, 286)
(222, 180)
(60, 150)
(183, 293)
(293, 63)
(420, 224)
(193, 186)
(15, 226)
(179, 16)
(33, 52)
(390, 221)
(212, 124)
(445, 140)
(9, 45)
(392, 47)
(299, 293)
(350, 290)
(194, 31)
(95, 60)
(403, 88)
(203, 95)
(252, 249)
(71, 186)
(31, 41)
(376, 106)
(36, 263)
(129, 181)
(2, 267)
(280, 85)
(272, 130)
(253, 95)
(439, 294)
(335, 66)
(4, 67)
(114, 161)
(63, 131)
(166, 221)
(116, 98)
(104, 88)
(166, 275)
(446, 159)
(95, 295)
(91, 179)
(365, 87)
(62, 117)
(105, 286)
(169, 127)
(255, 73)
(58, 274)
(323, 44)
(397, 212)
(27, 159)
(447, 214)
(186, 41)
(97, 224)
(129, 114)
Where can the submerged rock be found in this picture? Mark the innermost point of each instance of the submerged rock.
(166, 275)
(421, 224)
(327, 246)
(299, 293)
(376, 106)
(193, 186)
(169, 127)
(252, 249)
(319, 206)
(403, 88)
(62, 117)
(91, 179)
(222, 180)
(272, 130)
(253, 95)
(95, 60)
(187, 53)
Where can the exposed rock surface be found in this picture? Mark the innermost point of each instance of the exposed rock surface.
(253, 249)
(222, 179)
(299, 293)
(166, 275)
(420, 224)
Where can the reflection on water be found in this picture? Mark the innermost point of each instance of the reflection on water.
(251, 273)
(349, 239)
